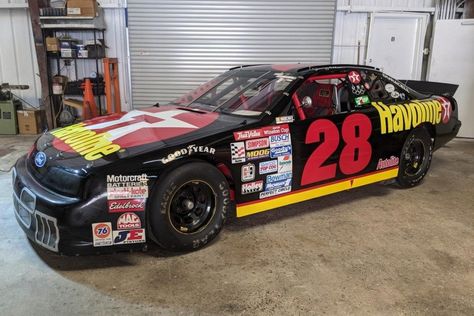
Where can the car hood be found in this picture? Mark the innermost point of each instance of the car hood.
(103, 140)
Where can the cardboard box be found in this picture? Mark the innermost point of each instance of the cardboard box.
(82, 8)
(29, 121)
(52, 44)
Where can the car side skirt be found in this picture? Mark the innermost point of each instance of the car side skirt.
(253, 207)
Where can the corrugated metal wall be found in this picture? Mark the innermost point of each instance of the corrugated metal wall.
(177, 45)
(18, 63)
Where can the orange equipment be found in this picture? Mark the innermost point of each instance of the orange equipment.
(111, 77)
(89, 108)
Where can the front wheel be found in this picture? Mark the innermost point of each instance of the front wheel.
(188, 206)
(415, 158)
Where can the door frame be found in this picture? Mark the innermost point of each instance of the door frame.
(423, 20)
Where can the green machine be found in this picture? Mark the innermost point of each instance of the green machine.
(8, 107)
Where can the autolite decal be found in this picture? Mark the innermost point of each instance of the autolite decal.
(89, 144)
(403, 117)
(387, 163)
(119, 206)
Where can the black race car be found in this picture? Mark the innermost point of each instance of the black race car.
(250, 140)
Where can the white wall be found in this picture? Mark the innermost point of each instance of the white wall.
(18, 63)
(352, 21)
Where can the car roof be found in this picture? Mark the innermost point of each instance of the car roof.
(302, 68)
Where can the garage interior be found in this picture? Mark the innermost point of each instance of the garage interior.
(377, 249)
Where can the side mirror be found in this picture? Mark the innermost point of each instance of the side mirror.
(157, 104)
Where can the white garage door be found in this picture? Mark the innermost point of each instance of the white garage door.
(175, 45)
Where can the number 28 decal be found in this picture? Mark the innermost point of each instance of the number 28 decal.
(355, 154)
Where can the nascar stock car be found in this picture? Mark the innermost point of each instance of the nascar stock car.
(252, 139)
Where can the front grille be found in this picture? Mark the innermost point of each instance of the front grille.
(46, 227)
(24, 206)
(47, 232)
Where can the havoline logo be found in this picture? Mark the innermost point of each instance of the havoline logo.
(87, 143)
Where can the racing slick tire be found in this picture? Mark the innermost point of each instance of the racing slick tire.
(415, 158)
(188, 207)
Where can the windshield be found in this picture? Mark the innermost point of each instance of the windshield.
(241, 92)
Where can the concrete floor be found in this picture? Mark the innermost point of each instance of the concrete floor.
(373, 250)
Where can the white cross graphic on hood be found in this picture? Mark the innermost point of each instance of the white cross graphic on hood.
(167, 117)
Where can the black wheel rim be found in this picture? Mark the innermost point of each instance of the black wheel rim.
(192, 207)
(414, 157)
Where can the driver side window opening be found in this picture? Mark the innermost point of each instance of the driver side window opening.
(322, 95)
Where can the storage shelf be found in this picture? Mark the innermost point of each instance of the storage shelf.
(65, 17)
(74, 58)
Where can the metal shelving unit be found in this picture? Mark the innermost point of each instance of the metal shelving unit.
(52, 26)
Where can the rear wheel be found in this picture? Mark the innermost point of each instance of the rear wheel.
(188, 207)
(415, 158)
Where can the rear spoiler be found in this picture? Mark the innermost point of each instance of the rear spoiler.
(428, 87)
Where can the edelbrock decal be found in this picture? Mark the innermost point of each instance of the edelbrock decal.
(120, 206)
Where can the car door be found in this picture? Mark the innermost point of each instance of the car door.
(338, 145)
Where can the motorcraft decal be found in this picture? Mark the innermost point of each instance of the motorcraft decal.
(120, 187)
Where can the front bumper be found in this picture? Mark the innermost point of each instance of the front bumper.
(59, 223)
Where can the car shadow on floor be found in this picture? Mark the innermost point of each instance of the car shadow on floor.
(124, 259)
